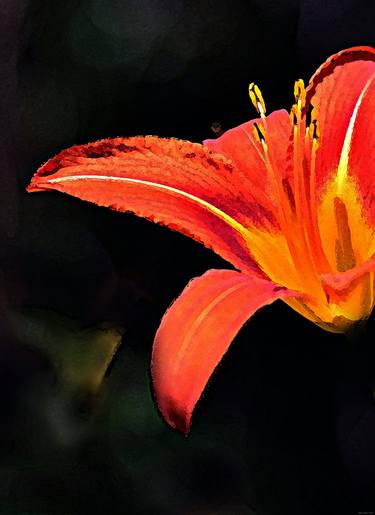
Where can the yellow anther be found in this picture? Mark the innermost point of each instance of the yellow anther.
(257, 99)
(314, 131)
(300, 93)
(259, 133)
(294, 112)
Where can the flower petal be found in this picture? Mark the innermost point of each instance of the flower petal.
(195, 333)
(173, 182)
(341, 92)
(267, 183)
(242, 148)
(342, 95)
(343, 283)
(353, 290)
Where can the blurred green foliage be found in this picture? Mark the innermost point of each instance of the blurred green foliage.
(88, 439)
(79, 355)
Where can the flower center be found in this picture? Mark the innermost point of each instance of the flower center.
(296, 193)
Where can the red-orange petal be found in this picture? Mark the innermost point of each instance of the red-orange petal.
(343, 104)
(195, 333)
(242, 148)
(177, 183)
(341, 284)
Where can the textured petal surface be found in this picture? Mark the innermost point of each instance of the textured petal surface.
(353, 290)
(195, 333)
(343, 283)
(241, 146)
(342, 94)
(262, 178)
(173, 182)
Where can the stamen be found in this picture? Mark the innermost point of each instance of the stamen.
(300, 93)
(259, 133)
(300, 97)
(290, 195)
(289, 205)
(315, 242)
(286, 208)
(314, 131)
(304, 230)
(307, 187)
(294, 114)
(257, 99)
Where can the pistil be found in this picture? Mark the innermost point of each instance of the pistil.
(345, 258)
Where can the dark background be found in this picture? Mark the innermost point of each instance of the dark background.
(287, 424)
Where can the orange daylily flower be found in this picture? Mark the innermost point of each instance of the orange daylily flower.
(287, 199)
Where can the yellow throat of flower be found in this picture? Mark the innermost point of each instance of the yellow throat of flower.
(324, 235)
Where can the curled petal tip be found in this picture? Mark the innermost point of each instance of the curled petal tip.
(31, 188)
(196, 332)
(177, 419)
(38, 183)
